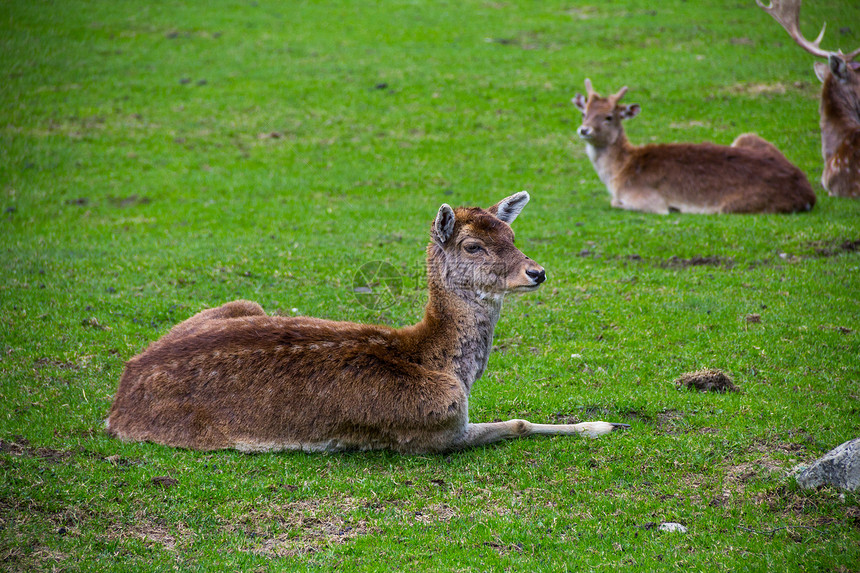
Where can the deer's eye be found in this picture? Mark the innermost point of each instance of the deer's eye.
(608, 118)
(473, 248)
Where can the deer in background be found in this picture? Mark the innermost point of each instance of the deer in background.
(233, 377)
(840, 103)
(750, 176)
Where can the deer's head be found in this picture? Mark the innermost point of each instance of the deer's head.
(473, 250)
(840, 74)
(841, 90)
(602, 117)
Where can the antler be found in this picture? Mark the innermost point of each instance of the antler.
(589, 91)
(788, 15)
(615, 97)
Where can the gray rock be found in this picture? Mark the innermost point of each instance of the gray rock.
(672, 527)
(840, 467)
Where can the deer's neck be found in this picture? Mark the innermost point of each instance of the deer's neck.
(456, 334)
(608, 160)
(840, 115)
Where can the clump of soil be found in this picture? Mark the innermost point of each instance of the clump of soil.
(709, 380)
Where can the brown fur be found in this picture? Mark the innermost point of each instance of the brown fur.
(750, 176)
(233, 377)
(840, 126)
(839, 109)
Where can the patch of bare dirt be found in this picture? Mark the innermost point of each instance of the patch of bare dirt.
(504, 548)
(835, 247)
(303, 527)
(53, 363)
(435, 513)
(668, 420)
(739, 474)
(675, 262)
(757, 89)
(15, 559)
(153, 532)
(786, 448)
(689, 124)
(164, 482)
(764, 467)
(785, 501)
(585, 13)
(710, 380)
(22, 448)
(841, 329)
(128, 201)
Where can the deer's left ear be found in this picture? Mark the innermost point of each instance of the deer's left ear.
(628, 111)
(507, 209)
(580, 102)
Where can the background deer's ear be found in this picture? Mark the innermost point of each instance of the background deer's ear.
(507, 209)
(630, 110)
(443, 225)
(838, 67)
(579, 101)
(821, 71)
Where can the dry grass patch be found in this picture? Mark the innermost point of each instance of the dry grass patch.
(153, 532)
(435, 513)
(302, 527)
(756, 89)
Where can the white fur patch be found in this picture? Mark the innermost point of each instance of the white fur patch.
(491, 296)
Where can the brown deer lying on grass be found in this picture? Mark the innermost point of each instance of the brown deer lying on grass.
(840, 104)
(233, 377)
(750, 176)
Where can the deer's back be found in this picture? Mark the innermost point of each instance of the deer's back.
(269, 383)
(727, 178)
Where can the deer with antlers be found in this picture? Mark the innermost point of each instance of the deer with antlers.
(839, 109)
(750, 176)
(233, 377)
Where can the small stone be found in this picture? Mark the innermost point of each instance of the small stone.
(672, 527)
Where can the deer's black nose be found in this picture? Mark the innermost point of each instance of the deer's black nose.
(537, 276)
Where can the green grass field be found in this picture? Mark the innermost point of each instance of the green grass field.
(159, 158)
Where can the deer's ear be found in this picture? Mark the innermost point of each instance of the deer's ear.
(821, 71)
(443, 225)
(508, 208)
(838, 67)
(629, 111)
(579, 101)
